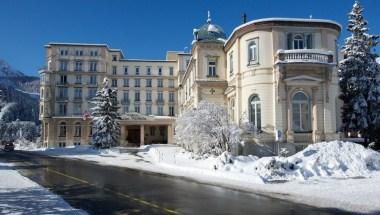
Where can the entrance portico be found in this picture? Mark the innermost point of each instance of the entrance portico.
(139, 130)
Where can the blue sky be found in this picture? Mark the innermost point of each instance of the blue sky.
(142, 28)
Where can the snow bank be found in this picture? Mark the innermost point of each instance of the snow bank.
(335, 159)
(20, 195)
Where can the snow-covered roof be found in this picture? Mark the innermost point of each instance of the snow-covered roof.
(378, 60)
(279, 19)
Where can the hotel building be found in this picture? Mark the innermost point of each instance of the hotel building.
(278, 74)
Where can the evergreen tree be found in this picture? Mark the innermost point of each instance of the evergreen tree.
(104, 117)
(358, 74)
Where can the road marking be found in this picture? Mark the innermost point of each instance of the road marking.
(131, 197)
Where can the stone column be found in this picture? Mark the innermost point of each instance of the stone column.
(170, 134)
(122, 135)
(142, 135)
(315, 129)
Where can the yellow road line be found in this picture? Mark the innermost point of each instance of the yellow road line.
(141, 201)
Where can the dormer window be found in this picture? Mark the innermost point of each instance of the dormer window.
(253, 51)
(300, 41)
(114, 57)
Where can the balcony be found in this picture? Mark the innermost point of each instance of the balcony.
(78, 99)
(62, 83)
(306, 56)
(94, 84)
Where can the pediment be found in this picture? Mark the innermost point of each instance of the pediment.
(303, 78)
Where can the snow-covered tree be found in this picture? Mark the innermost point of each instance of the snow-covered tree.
(106, 128)
(207, 130)
(358, 76)
(18, 130)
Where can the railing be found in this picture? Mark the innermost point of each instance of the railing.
(62, 98)
(125, 101)
(305, 56)
(160, 101)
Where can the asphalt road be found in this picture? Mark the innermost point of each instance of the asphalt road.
(113, 190)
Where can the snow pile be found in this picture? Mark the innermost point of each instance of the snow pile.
(334, 159)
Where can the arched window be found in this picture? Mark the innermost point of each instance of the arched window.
(255, 111)
(252, 51)
(301, 112)
(78, 130)
(62, 129)
(298, 42)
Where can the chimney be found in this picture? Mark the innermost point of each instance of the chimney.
(244, 16)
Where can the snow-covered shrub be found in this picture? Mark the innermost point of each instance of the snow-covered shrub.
(18, 129)
(207, 130)
(104, 117)
(24, 144)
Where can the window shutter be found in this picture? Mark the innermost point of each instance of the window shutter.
(309, 41)
(290, 40)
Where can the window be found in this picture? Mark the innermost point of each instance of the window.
(137, 82)
(148, 82)
(126, 70)
(231, 64)
(63, 79)
(137, 96)
(78, 66)
(94, 53)
(298, 42)
(78, 79)
(62, 129)
(76, 143)
(152, 130)
(253, 51)
(232, 110)
(148, 110)
(42, 93)
(62, 92)
(137, 108)
(160, 96)
(63, 65)
(255, 111)
(187, 63)
(93, 79)
(126, 82)
(171, 71)
(78, 93)
(301, 112)
(137, 70)
(149, 96)
(148, 70)
(159, 70)
(62, 109)
(171, 96)
(62, 144)
(160, 83)
(79, 52)
(114, 70)
(126, 95)
(92, 92)
(64, 52)
(162, 130)
(212, 68)
(171, 110)
(171, 83)
(114, 57)
(93, 65)
(126, 108)
(77, 109)
(114, 83)
(160, 110)
(77, 130)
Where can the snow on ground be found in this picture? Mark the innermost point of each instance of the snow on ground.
(334, 174)
(19, 195)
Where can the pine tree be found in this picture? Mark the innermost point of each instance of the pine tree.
(104, 117)
(358, 76)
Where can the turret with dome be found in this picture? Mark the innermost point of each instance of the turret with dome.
(209, 32)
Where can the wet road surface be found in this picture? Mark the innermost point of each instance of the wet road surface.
(113, 190)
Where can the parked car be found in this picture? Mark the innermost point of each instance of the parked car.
(7, 146)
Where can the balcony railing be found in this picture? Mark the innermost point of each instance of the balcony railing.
(62, 98)
(305, 56)
(125, 101)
